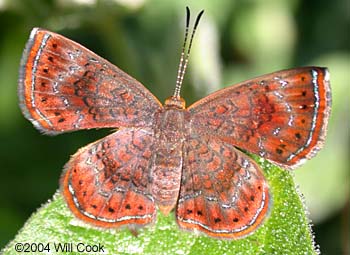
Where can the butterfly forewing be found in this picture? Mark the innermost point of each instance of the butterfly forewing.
(223, 192)
(106, 182)
(64, 87)
(281, 116)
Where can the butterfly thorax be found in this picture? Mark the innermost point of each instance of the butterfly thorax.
(170, 131)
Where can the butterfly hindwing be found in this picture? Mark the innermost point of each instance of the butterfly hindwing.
(223, 192)
(106, 182)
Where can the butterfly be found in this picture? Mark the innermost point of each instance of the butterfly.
(168, 156)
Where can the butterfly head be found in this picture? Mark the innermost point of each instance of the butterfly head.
(175, 102)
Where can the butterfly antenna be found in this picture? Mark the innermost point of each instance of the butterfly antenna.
(178, 78)
(184, 60)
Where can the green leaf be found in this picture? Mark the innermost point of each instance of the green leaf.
(286, 231)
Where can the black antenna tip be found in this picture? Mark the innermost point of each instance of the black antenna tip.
(198, 18)
(188, 16)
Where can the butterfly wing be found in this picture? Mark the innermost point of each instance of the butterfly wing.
(281, 116)
(106, 182)
(223, 192)
(65, 87)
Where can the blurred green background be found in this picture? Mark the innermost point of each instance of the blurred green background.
(236, 40)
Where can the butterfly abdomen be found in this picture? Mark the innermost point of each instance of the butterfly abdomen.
(167, 158)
